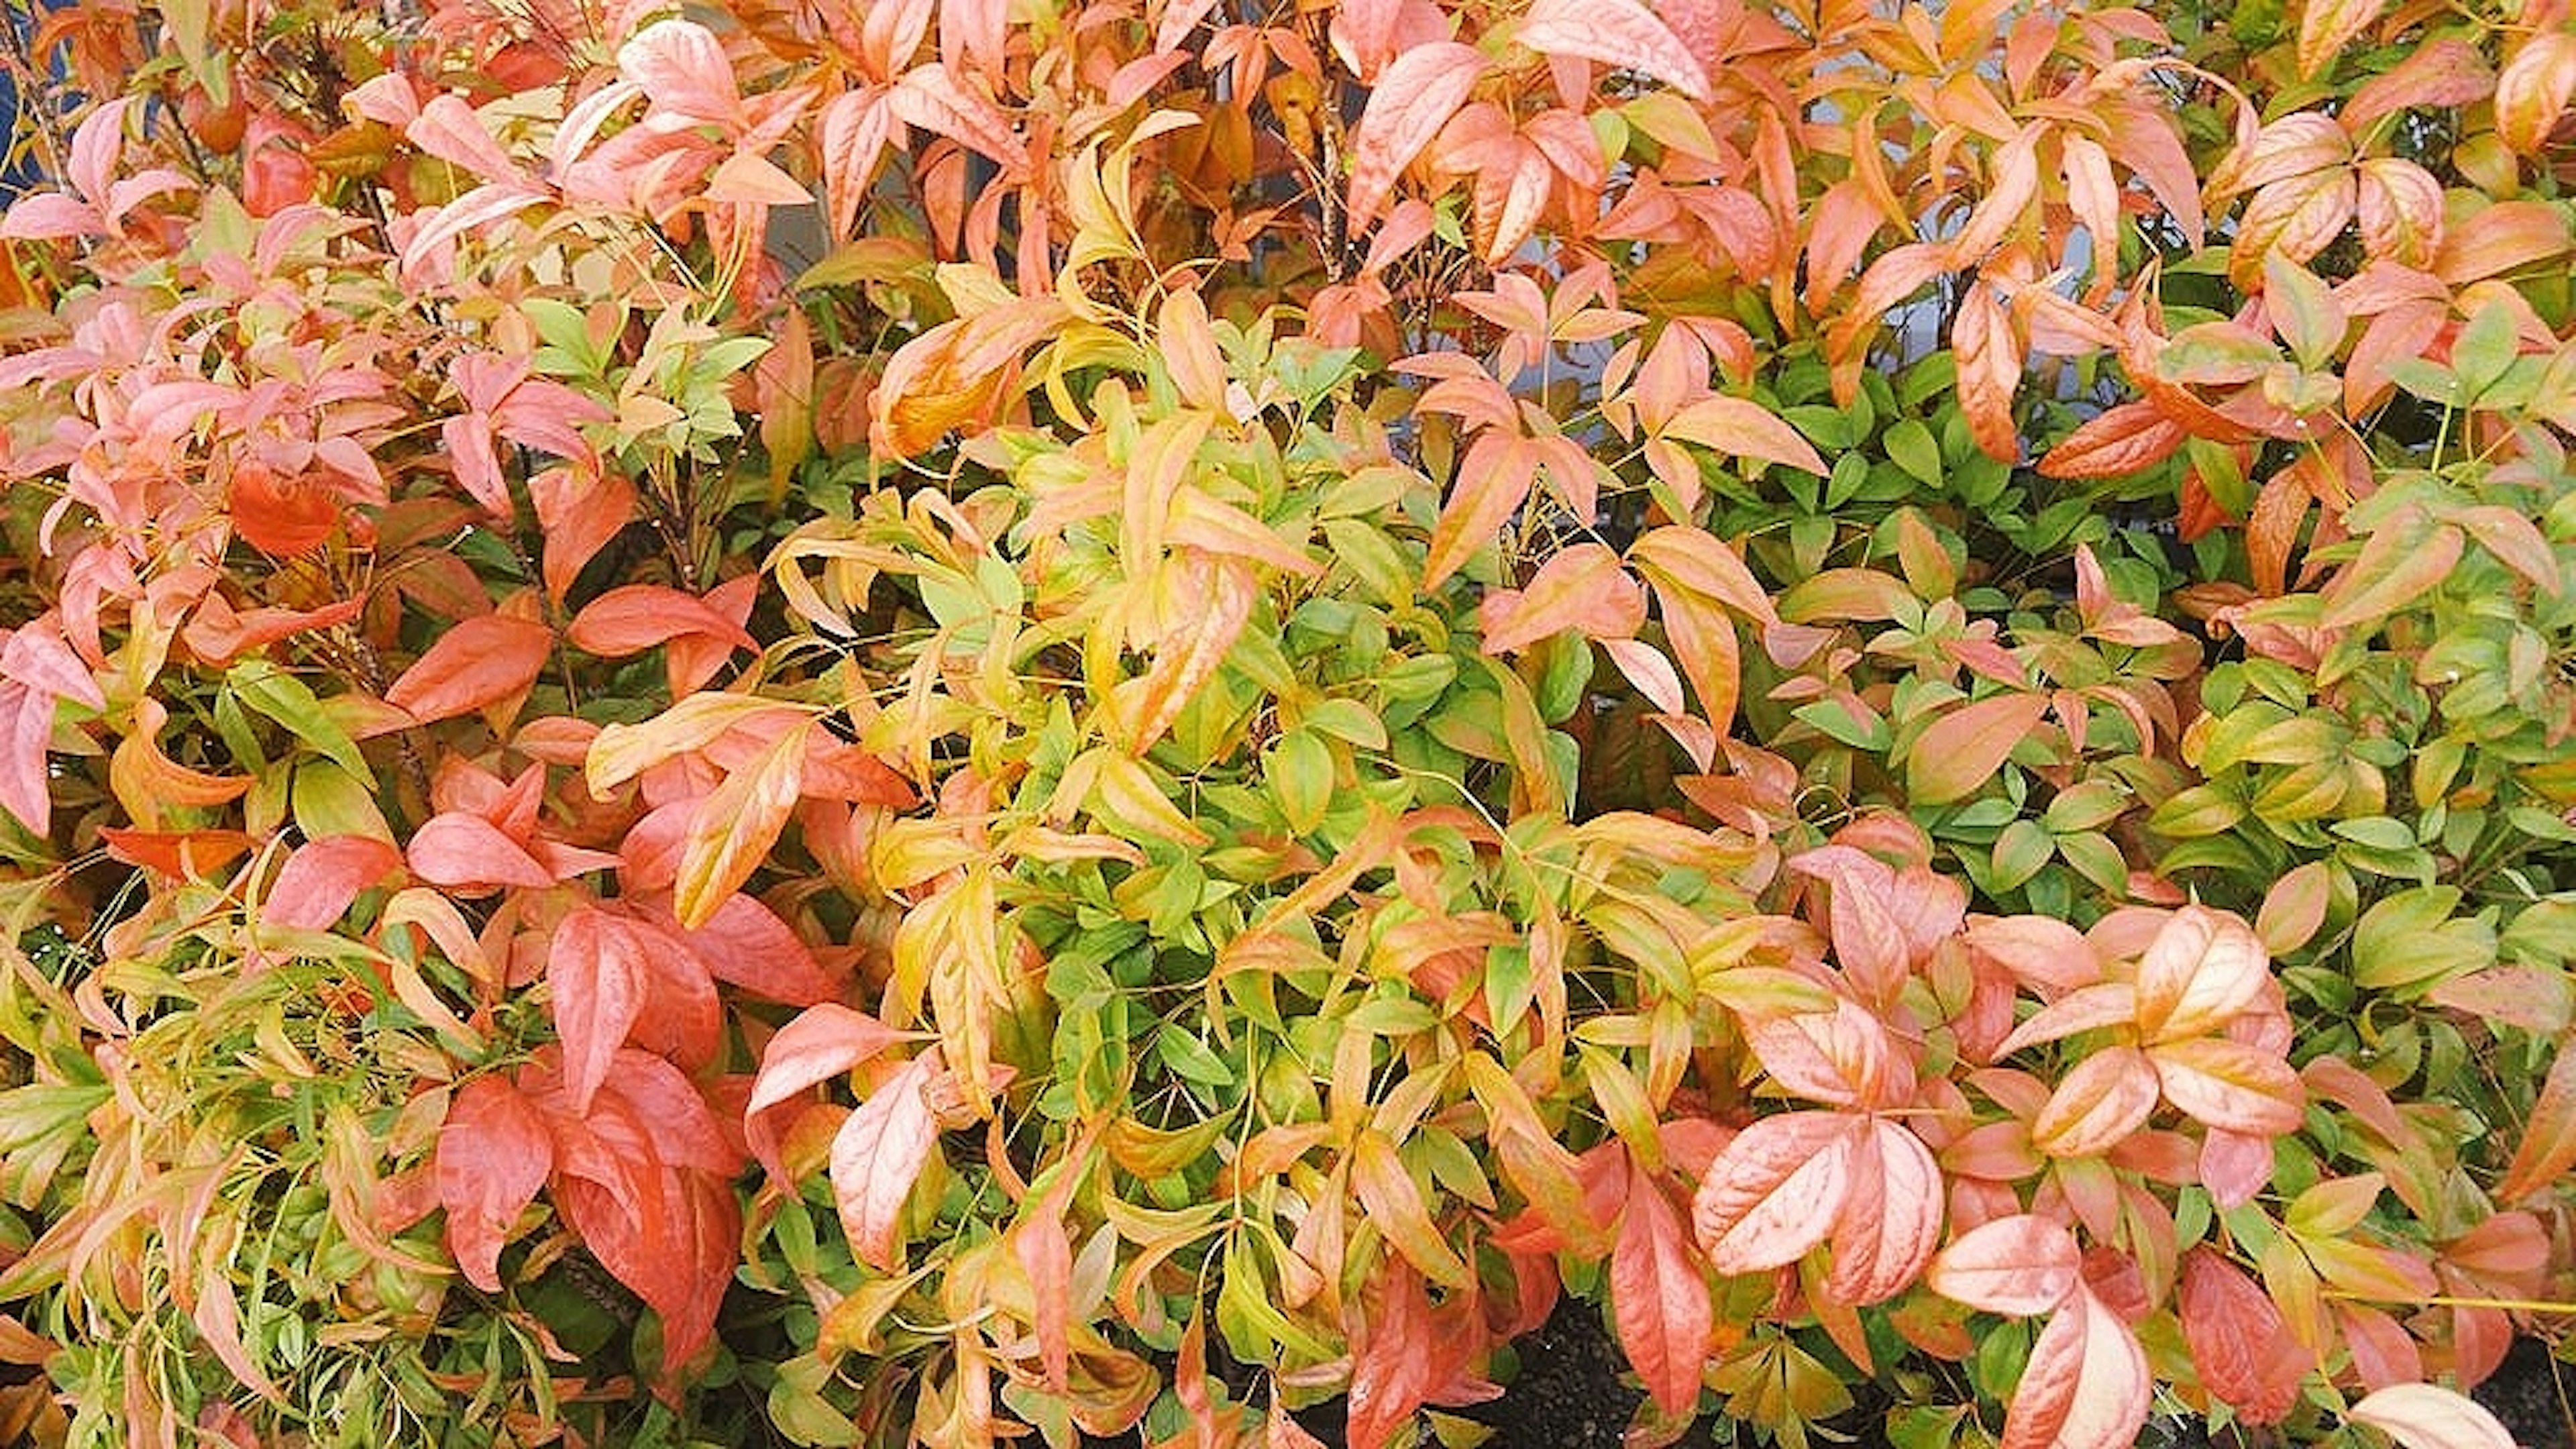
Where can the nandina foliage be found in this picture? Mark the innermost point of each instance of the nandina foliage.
(898, 722)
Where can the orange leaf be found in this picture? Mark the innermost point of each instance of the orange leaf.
(2230, 1084)
(1581, 588)
(1694, 559)
(2548, 1146)
(2532, 91)
(2201, 970)
(734, 827)
(1659, 1297)
(2108, 1096)
(2126, 439)
(1391, 1363)
(1742, 429)
(1963, 749)
(1397, 1210)
(2327, 26)
(317, 883)
(2019, 1266)
(2423, 1416)
(877, 1156)
(1493, 481)
(493, 1155)
(932, 99)
(636, 617)
(1775, 1190)
(825, 1041)
(1414, 97)
(479, 662)
(1618, 33)
(1989, 369)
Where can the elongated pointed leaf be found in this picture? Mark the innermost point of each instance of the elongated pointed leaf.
(1963, 749)
(1615, 32)
(477, 662)
(2240, 1346)
(878, 1155)
(2086, 1385)
(1659, 1297)
(1892, 1223)
(1414, 97)
(1396, 1208)
(2231, 1084)
(2425, 1416)
(735, 826)
(596, 979)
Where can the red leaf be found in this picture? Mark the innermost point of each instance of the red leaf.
(479, 662)
(1963, 749)
(2532, 91)
(2240, 1345)
(1619, 33)
(1892, 1221)
(317, 883)
(1658, 1296)
(596, 974)
(279, 515)
(1989, 362)
(2020, 1265)
(1414, 97)
(493, 1155)
(825, 1041)
(686, 1131)
(2422, 1416)
(1391, 1362)
(1775, 1190)
(2086, 1386)
(878, 1155)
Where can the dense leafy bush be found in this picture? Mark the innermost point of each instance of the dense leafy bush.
(892, 722)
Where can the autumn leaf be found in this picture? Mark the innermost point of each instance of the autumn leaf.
(493, 1156)
(1741, 429)
(2230, 1084)
(1619, 33)
(1414, 97)
(2085, 1386)
(2327, 26)
(2122, 440)
(596, 979)
(1658, 1296)
(1775, 1190)
(319, 881)
(2427, 1416)
(2547, 1147)
(1397, 1209)
(1963, 748)
(2202, 969)
(1391, 1361)
(2020, 1265)
(478, 662)
(735, 826)
(878, 1155)
(1892, 1222)
(2239, 1344)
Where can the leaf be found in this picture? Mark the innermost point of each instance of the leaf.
(745, 944)
(1397, 1210)
(2086, 1385)
(735, 826)
(1582, 589)
(2240, 1345)
(1963, 749)
(2548, 1145)
(469, 854)
(2126, 439)
(2231, 1084)
(2327, 26)
(878, 1155)
(2425, 1416)
(1742, 429)
(635, 617)
(1618, 33)
(933, 99)
(1658, 1296)
(682, 67)
(2399, 563)
(477, 663)
(1391, 1362)
(317, 883)
(2202, 969)
(1680, 556)
(2020, 1266)
(1414, 97)
(1892, 1223)
(595, 978)
(493, 1155)
(2532, 91)
(1494, 479)
(1775, 1190)
(1989, 359)
(2294, 908)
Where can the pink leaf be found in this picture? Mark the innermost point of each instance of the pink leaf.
(2422, 1416)
(479, 662)
(682, 67)
(468, 853)
(1658, 1296)
(1892, 1221)
(878, 1155)
(825, 1041)
(596, 975)
(2020, 1266)
(2086, 1386)
(1615, 32)
(318, 882)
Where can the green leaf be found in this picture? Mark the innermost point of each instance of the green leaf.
(283, 698)
(1189, 1057)
(1911, 446)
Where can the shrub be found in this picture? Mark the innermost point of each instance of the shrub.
(899, 723)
